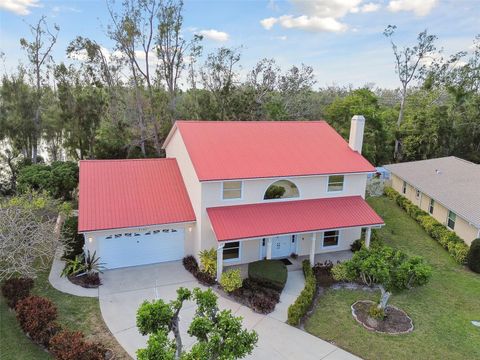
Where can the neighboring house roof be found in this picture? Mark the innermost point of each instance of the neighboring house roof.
(453, 182)
(131, 193)
(227, 150)
(289, 217)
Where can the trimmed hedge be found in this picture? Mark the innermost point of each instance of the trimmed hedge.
(67, 345)
(300, 307)
(473, 258)
(448, 239)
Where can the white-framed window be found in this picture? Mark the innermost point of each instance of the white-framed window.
(451, 220)
(231, 251)
(232, 190)
(404, 187)
(417, 193)
(431, 206)
(330, 238)
(335, 183)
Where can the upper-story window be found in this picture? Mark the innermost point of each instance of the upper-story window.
(335, 183)
(281, 189)
(404, 187)
(232, 190)
(452, 217)
(417, 193)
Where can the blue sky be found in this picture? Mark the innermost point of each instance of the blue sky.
(341, 39)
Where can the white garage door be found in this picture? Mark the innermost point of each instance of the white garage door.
(140, 248)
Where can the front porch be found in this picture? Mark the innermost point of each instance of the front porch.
(296, 263)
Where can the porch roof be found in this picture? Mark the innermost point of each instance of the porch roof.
(290, 217)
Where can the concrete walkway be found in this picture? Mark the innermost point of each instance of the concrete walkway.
(123, 291)
(62, 283)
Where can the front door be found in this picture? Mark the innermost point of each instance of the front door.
(282, 246)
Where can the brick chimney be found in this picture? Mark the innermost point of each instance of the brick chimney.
(356, 133)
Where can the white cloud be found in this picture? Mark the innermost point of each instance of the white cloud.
(319, 15)
(19, 7)
(283, 38)
(419, 7)
(370, 7)
(311, 23)
(268, 22)
(214, 35)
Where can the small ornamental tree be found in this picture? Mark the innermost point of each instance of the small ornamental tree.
(473, 258)
(391, 270)
(219, 334)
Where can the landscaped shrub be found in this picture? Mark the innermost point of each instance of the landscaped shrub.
(356, 245)
(190, 264)
(208, 261)
(231, 280)
(16, 289)
(262, 303)
(269, 273)
(73, 241)
(300, 307)
(445, 237)
(473, 257)
(68, 345)
(205, 278)
(37, 316)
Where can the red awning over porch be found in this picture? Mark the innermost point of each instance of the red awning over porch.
(290, 217)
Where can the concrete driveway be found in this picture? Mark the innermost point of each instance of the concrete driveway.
(123, 291)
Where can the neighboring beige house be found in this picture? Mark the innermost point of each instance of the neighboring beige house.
(448, 188)
(251, 190)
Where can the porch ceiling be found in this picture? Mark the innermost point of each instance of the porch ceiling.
(290, 217)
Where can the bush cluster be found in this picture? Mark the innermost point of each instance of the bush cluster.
(473, 258)
(68, 345)
(191, 265)
(72, 239)
(300, 307)
(37, 318)
(231, 280)
(257, 296)
(448, 239)
(208, 261)
(16, 289)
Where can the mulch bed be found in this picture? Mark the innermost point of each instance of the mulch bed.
(396, 321)
(89, 281)
(323, 274)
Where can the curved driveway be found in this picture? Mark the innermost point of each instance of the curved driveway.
(123, 291)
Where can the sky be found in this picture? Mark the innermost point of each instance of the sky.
(341, 39)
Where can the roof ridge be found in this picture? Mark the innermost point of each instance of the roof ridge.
(127, 160)
(252, 121)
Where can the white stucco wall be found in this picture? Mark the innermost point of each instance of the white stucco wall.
(176, 149)
(253, 191)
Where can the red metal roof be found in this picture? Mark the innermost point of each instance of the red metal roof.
(222, 150)
(130, 193)
(289, 217)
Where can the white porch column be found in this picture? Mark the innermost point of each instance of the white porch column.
(269, 248)
(220, 261)
(312, 249)
(368, 235)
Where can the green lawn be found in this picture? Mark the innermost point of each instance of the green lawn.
(441, 310)
(75, 313)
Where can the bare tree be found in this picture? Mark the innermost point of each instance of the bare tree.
(39, 54)
(219, 76)
(409, 66)
(263, 78)
(27, 241)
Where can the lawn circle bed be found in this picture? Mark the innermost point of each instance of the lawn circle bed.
(396, 320)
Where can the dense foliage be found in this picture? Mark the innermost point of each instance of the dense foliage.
(231, 280)
(219, 334)
(473, 258)
(390, 269)
(67, 345)
(304, 301)
(208, 261)
(447, 238)
(16, 289)
(72, 240)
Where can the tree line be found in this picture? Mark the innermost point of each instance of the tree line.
(121, 103)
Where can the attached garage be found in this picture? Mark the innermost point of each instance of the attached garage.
(141, 248)
(133, 212)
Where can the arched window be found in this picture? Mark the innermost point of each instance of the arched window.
(281, 189)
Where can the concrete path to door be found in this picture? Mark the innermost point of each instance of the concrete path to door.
(123, 291)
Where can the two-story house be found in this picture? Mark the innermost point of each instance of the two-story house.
(251, 190)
